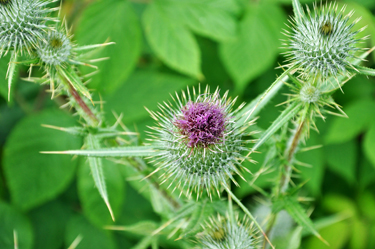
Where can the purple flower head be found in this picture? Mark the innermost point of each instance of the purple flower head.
(202, 123)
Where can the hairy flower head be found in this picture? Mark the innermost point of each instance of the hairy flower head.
(222, 233)
(22, 24)
(323, 43)
(201, 145)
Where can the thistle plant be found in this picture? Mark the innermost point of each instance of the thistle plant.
(201, 143)
(200, 140)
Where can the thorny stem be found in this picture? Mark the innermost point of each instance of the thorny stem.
(286, 175)
(81, 103)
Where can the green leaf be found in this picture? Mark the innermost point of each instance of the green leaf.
(283, 118)
(171, 41)
(96, 167)
(155, 85)
(342, 159)
(49, 222)
(116, 21)
(295, 210)
(336, 235)
(12, 71)
(3, 74)
(92, 203)
(13, 222)
(369, 144)
(205, 17)
(256, 46)
(92, 237)
(140, 151)
(360, 114)
(24, 166)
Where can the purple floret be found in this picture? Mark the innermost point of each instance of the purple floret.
(202, 123)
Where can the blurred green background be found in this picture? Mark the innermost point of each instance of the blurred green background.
(162, 46)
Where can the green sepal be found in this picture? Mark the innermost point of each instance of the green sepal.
(11, 71)
(298, 11)
(364, 70)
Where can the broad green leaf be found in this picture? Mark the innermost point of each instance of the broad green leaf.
(256, 46)
(327, 221)
(292, 206)
(366, 173)
(140, 151)
(339, 204)
(291, 241)
(12, 222)
(360, 113)
(24, 166)
(155, 85)
(205, 17)
(117, 22)
(92, 203)
(360, 234)
(342, 159)
(92, 237)
(144, 243)
(336, 235)
(254, 107)
(369, 144)
(96, 168)
(287, 115)
(49, 222)
(172, 42)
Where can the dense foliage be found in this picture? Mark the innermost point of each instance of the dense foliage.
(159, 47)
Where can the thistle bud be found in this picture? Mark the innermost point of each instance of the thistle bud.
(323, 43)
(222, 233)
(22, 24)
(55, 49)
(201, 144)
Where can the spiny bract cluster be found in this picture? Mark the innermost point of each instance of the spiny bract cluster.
(322, 43)
(22, 24)
(222, 233)
(201, 144)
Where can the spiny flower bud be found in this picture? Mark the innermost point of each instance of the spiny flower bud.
(222, 233)
(323, 43)
(309, 93)
(201, 144)
(22, 24)
(55, 49)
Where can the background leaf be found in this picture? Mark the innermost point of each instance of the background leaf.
(11, 220)
(116, 21)
(52, 173)
(171, 41)
(256, 46)
(369, 144)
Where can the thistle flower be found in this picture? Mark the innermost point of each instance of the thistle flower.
(22, 24)
(201, 145)
(323, 43)
(222, 233)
